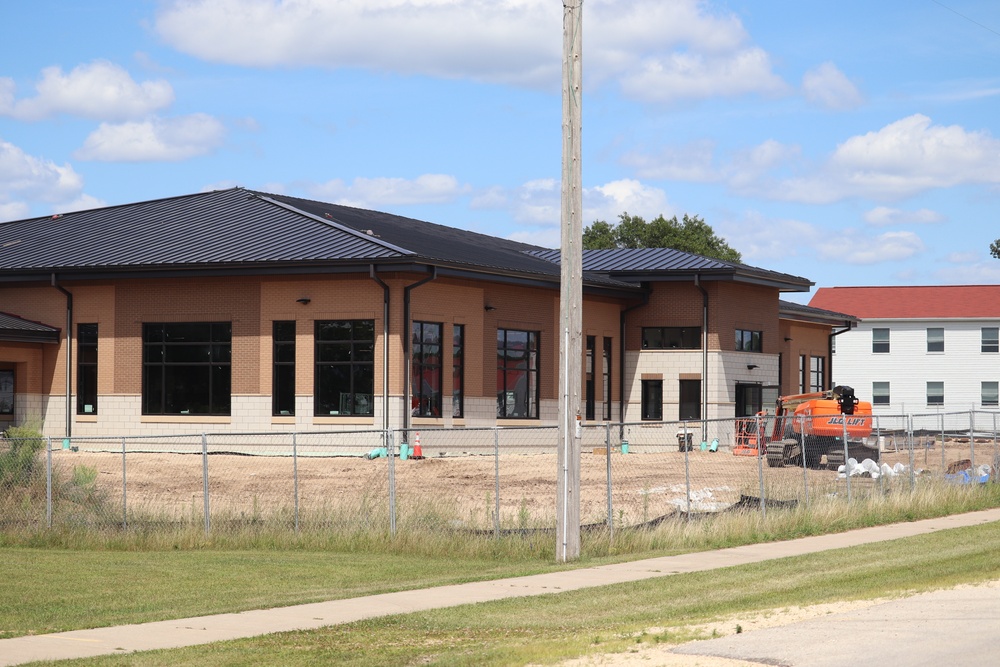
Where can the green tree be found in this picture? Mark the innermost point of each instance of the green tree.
(994, 247)
(690, 234)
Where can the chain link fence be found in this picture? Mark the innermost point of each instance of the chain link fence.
(490, 481)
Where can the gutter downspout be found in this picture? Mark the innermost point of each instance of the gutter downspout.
(829, 352)
(69, 355)
(704, 355)
(621, 358)
(407, 370)
(385, 346)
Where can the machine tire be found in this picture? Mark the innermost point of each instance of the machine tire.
(783, 452)
(835, 458)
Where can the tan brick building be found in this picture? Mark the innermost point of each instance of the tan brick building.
(236, 310)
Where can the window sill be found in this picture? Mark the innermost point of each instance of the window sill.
(185, 419)
(283, 419)
(520, 422)
(364, 421)
(86, 419)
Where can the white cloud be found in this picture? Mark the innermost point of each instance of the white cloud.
(882, 216)
(24, 175)
(379, 192)
(14, 210)
(854, 247)
(99, 90)
(693, 162)
(168, 140)
(84, 202)
(762, 240)
(828, 87)
(661, 51)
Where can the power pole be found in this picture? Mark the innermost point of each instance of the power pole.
(570, 291)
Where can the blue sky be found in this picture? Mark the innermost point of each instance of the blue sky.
(852, 143)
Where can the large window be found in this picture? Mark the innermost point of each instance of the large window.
(590, 384)
(457, 370)
(606, 393)
(991, 339)
(517, 374)
(671, 338)
(880, 341)
(425, 375)
(817, 373)
(935, 393)
(652, 400)
(880, 393)
(6, 392)
(186, 368)
(802, 374)
(690, 403)
(749, 341)
(283, 360)
(935, 339)
(991, 394)
(86, 369)
(345, 367)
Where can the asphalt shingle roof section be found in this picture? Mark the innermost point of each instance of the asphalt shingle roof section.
(912, 302)
(648, 263)
(15, 328)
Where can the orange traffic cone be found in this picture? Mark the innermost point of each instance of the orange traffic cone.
(418, 452)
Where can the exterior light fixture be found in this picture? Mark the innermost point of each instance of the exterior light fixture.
(304, 300)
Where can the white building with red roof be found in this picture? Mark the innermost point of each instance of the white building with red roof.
(918, 350)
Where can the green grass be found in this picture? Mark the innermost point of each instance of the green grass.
(552, 628)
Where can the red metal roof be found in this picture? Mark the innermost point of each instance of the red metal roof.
(918, 302)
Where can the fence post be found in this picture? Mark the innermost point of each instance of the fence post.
(909, 439)
(124, 488)
(996, 452)
(802, 449)
(390, 448)
(761, 453)
(295, 479)
(496, 481)
(607, 452)
(687, 470)
(944, 463)
(48, 481)
(972, 441)
(204, 477)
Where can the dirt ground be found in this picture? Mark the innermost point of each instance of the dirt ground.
(468, 490)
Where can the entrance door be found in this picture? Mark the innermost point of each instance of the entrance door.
(749, 399)
(6, 399)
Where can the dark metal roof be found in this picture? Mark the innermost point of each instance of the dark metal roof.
(16, 329)
(651, 264)
(790, 310)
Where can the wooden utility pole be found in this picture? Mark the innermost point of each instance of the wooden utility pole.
(570, 291)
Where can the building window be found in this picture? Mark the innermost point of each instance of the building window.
(935, 339)
(606, 371)
(817, 373)
(652, 400)
(880, 341)
(457, 370)
(935, 393)
(86, 369)
(749, 341)
(517, 374)
(991, 394)
(880, 393)
(690, 399)
(425, 371)
(590, 387)
(186, 368)
(991, 339)
(6, 392)
(283, 371)
(802, 374)
(671, 338)
(345, 367)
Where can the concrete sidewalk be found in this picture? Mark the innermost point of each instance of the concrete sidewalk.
(207, 629)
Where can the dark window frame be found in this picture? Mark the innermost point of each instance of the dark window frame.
(426, 369)
(936, 398)
(689, 402)
(525, 405)
(458, 370)
(935, 344)
(607, 360)
(879, 397)
(345, 348)
(880, 340)
(8, 393)
(652, 400)
(990, 341)
(174, 356)
(817, 373)
(86, 368)
(671, 338)
(283, 334)
(994, 394)
(590, 380)
(749, 340)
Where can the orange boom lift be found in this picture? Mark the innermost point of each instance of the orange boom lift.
(816, 421)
